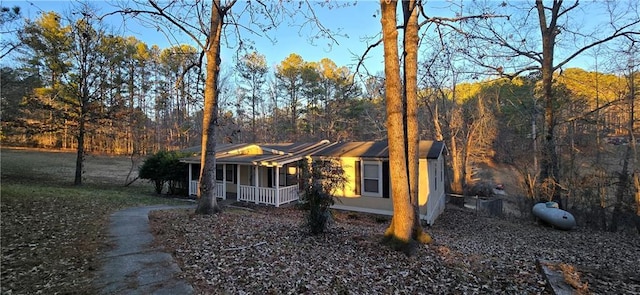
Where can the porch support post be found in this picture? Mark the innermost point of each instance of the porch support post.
(224, 181)
(256, 191)
(238, 180)
(277, 186)
(190, 178)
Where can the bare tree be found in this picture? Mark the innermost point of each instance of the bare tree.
(8, 19)
(84, 53)
(628, 179)
(493, 45)
(207, 34)
(402, 120)
(410, 10)
(400, 231)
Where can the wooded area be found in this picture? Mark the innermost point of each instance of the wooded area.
(488, 86)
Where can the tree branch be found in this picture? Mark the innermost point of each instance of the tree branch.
(615, 35)
(364, 55)
(446, 20)
(161, 12)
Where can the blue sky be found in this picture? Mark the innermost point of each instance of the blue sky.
(355, 22)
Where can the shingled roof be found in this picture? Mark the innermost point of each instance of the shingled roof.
(376, 149)
(278, 154)
(273, 154)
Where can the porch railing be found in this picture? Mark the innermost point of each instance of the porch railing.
(193, 188)
(267, 195)
(289, 194)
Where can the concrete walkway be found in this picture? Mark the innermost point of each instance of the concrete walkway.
(134, 265)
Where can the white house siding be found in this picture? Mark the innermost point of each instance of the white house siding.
(436, 197)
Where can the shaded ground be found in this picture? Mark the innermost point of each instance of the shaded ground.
(53, 232)
(266, 251)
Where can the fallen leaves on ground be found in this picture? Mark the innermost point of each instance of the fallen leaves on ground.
(267, 251)
(52, 236)
(49, 245)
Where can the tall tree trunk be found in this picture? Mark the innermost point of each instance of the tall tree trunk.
(410, 12)
(436, 123)
(550, 168)
(457, 172)
(80, 149)
(633, 145)
(253, 108)
(455, 126)
(621, 190)
(207, 203)
(627, 180)
(83, 100)
(470, 141)
(399, 233)
(636, 186)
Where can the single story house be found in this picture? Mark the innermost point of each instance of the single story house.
(368, 187)
(269, 174)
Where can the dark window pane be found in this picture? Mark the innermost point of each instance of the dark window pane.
(219, 171)
(230, 173)
(371, 185)
(370, 171)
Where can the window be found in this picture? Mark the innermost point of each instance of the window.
(229, 169)
(231, 173)
(435, 183)
(287, 175)
(358, 188)
(282, 177)
(371, 178)
(271, 177)
(195, 172)
(219, 171)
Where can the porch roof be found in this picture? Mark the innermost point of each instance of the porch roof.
(377, 149)
(270, 155)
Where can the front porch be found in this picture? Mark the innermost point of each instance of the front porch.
(256, 184)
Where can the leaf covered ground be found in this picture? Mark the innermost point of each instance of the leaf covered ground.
(45, 251)
(266, 251)
(51, 232)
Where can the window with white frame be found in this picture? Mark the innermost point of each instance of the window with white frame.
(371, 178)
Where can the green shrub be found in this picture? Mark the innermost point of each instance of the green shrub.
(164, 167)
(321, 182)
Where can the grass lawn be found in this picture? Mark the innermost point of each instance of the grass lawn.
(52, 231)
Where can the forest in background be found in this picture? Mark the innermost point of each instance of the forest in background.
(139, 99)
